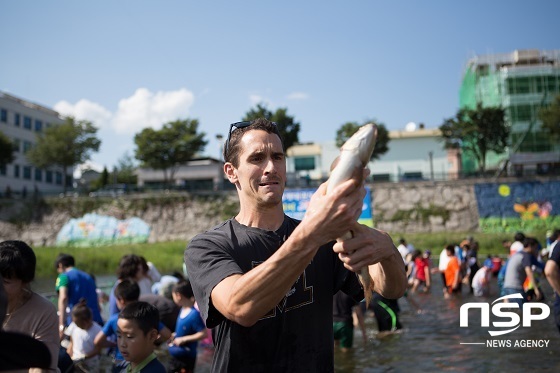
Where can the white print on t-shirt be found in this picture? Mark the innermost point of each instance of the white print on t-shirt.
(299, 295)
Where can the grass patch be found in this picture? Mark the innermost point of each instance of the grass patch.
(168, 256)
(513, 225)
(103, 260)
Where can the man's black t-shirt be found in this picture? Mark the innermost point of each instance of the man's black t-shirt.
(294, 336)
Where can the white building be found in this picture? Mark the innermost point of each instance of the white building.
(21, 121)
(198, 174)
(412, 155)
(416, 155)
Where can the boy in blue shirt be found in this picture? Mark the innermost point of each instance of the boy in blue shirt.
(126, 292)
(188, 331)
(137, 332)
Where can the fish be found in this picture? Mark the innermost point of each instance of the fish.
(354, 157)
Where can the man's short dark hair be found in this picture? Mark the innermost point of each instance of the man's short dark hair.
(233, 148)
(145, 315)
(66, 260)
(127, 290)
(17, 261)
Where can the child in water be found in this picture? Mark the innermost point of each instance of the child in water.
(82, 332)
(189, 330)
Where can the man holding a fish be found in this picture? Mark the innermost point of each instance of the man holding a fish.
(264, 281)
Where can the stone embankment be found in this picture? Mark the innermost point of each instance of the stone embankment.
(170, 217)
(397, 207)
(425, 207)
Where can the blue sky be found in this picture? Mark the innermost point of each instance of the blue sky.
(127, 65)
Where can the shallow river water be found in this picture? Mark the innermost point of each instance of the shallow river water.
(433, 341)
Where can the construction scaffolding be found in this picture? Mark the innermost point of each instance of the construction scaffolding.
(521, 82)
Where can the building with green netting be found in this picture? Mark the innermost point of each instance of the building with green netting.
(521, 82)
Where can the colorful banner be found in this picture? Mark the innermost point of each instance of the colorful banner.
(522, 206)
(97, 230)
(296, 201)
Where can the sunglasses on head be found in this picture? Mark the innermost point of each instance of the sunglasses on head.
(233, 127)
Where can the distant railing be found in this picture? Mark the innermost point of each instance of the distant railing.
(213, 188)
(489, 175)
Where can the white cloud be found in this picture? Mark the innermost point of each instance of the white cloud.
(86, 110)
(297, 96)
(142, 109)
(146, 109)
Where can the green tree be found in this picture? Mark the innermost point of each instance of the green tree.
(349, 128)
(65, 145)
(126, 170)
(287, 126)
(477, 131)
(550, 117)
(7, 149)
(170, 147)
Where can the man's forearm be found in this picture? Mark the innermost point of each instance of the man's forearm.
(389, 277)
(256, 292)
